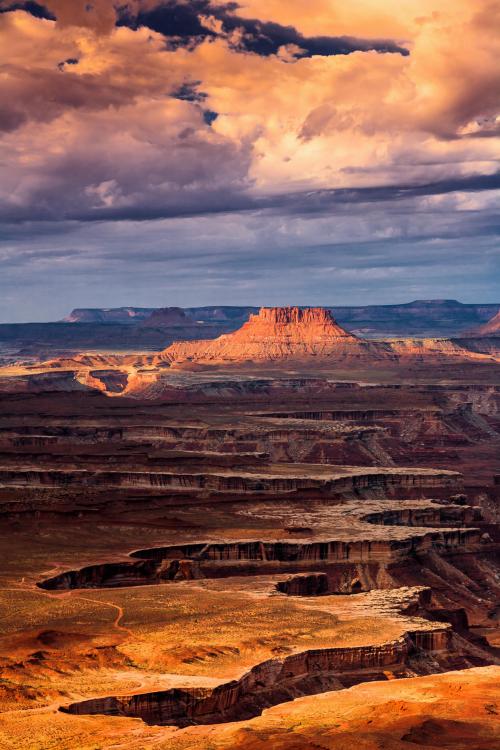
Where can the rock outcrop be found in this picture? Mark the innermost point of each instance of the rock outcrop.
(293, 333)
(423, 651)
(168, 317)
(325, 481)
(123, 315)
(274, 333)
(491, 328)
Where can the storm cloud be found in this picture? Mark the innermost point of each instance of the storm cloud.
(190, 22)
(181, 152)
(35, 9)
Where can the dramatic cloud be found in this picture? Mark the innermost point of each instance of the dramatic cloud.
(292, 131)
(189, 22)
(192, 21)
(37, 10)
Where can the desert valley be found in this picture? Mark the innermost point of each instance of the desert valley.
(249, 375)
(283, 535)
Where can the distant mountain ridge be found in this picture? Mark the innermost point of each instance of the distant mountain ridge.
(418, 318)
(304, 339)
(125, 315)
(132, 329)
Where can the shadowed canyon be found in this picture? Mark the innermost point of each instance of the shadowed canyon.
(280, 535)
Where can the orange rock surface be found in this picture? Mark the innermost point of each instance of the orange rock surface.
(491, 328)
(274, 333)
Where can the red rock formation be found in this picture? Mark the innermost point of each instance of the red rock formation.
(278, 333)
(274, 681)
(274, 333)
(491, 328)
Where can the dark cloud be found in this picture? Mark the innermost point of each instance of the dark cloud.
(41, 95)
(191, 22)
(229, 196)
(35, 9)
(188, 92)
(69, 61)
(187, 23)
(319, 201)
(179, 21)
(210, 116)
(251, 259)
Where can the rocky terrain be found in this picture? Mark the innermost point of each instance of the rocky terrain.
(284, 537)
(134, 329)
(419, 318)
(491, 328)
(295, 333)
(305, 340)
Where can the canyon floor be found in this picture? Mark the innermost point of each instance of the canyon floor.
(280, 562)
(263, 555)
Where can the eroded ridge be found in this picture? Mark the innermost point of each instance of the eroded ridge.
(432, 638)
(425, 647)
(358, 559)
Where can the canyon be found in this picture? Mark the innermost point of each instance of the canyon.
(273, 537)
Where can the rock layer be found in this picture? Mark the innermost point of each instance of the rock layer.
(279, 680)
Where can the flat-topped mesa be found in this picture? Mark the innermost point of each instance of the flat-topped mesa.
(279, 333)
(311, 325)
(273, 333)
(305, 323)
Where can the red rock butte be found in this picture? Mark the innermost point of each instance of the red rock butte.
(274, 333)
(298, 324)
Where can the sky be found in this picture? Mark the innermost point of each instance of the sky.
(267, 152)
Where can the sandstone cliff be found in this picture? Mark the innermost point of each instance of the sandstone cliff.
(279, 333)
(275, 333)
(491, 328)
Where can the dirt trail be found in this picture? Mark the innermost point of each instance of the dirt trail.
(119, 611)
(63, 595)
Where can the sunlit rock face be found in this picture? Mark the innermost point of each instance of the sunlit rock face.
(235, 537)
(491, 328)
(312, 334)
(275, 333)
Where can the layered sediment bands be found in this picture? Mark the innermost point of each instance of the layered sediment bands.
(457, 423)
(335, 578)
(60, 381)
(359, 550)
(349, 565)
(313, 584)
(124, 574)
(332, 443)
(372, 416)
(279, 680)
(274, 481)
(437, 515)
(112, 575)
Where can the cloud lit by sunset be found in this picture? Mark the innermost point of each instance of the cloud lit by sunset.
(191, 151)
